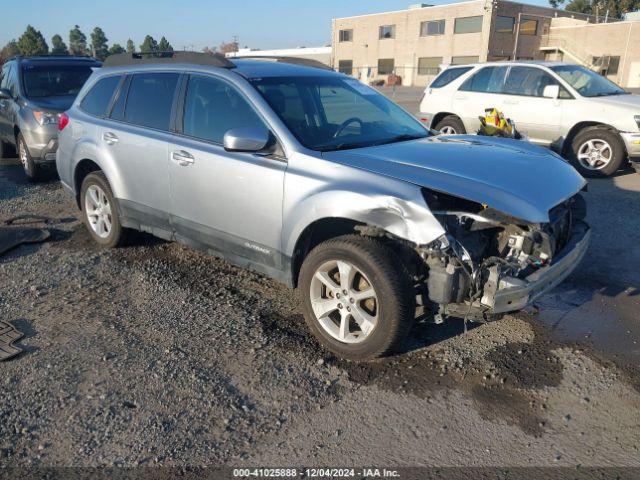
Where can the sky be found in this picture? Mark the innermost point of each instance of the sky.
(194, 24)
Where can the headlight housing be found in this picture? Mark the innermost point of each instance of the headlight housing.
(46, 118)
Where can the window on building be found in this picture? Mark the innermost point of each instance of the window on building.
(505, 24)
(487, 80)
(346, 36)
(530, 82)
(150, 99)
(528, 27)
(386, 66)
(99, 97)
(448, 76)
(212, 107)
(468, 24)
(614, 65)
(346, 67)
(432, 27)
(464, 60)
(387, 31)
(429, 65)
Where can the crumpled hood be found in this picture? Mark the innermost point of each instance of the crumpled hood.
(512, 176)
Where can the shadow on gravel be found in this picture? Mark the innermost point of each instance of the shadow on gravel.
(14, 181)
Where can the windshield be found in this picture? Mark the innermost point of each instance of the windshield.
(54, 80)
(337, 113)
(587, 82)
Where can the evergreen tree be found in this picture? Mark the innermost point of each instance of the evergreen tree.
(32, 42)
(77, 41)
(115, 49)
(149, 46)
(131, 48)
(9, 50)
(164, 45)
(99, 44)
(58, 47)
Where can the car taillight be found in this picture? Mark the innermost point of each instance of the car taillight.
(63, 121)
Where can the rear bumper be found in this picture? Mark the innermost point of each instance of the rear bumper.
(514, 293)
(632, 143)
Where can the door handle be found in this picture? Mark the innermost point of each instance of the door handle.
(110, 138)
(182, 158)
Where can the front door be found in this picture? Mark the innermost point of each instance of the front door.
(228, 202)
(8, 105)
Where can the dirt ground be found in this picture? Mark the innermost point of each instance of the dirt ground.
(158, 355)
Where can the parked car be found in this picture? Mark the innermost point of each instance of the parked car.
(319, 181)
(569, 108)
(33, 93)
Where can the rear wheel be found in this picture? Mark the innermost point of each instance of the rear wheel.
(597, 152)
(100, 211)
(357, 297)
(451, 125)
(31, 170)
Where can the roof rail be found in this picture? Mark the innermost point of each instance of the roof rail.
(196, 58)
(306, 62)
(50, 56)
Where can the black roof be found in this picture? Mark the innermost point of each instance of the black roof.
(55, 58)
(196, 58)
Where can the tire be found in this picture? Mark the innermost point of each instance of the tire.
(94, 215)
(388, 314)
(451, 125)
(611, 152)
(31, 170)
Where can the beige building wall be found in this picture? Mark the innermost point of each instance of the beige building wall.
(408, 46)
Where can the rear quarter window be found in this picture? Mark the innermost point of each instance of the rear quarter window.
(448, 76)
(97, 101)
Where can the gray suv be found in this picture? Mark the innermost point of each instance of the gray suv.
(320, 182)
(33, 93)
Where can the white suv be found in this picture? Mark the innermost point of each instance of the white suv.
(569, 108)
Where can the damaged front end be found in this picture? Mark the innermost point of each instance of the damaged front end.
(488, 263)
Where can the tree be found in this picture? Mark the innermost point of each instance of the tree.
(58, 47)
(11, 49)
(149, 46)
(556, 3)
(77, 41)
(210, 51)
(164, 45)
(99, 44)
(131, 48)
(228, 47)
(32, 42)
(580, 6)
(115, 49)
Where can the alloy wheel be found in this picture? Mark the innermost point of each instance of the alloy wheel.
(448, 130)
(98, 211)
(595, 154)
(344, 301)
(24, 156)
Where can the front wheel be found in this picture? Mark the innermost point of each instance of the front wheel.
(597, 152)
(31, 170)
(357, 297)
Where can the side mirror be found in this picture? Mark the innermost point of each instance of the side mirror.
(246, 139)
(551, 91)
(5, 94)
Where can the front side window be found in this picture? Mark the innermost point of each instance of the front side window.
(387, 31)
(7, 78)
(346, 67)
(468, 25)
(346, 36)
(328, 113)
(54, 80)
(529, 27)
(505, 24)
(530, 82)
(586, 82)
(448, 76)
(213, 107)
(433, 27)
(97, 101)
(386, 66)
(487, 80)
(150, 99)
(429, 65)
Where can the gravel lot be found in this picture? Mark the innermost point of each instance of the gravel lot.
(158, 355)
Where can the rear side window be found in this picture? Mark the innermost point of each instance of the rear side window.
(150, 100)
(213, 107)
(487, 80)
(448, 76)
(97, 101)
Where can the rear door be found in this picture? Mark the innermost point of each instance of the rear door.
(136, 140)
(479, 92)
(535, 116)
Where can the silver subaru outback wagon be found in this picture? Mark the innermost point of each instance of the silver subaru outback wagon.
(320, 182)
